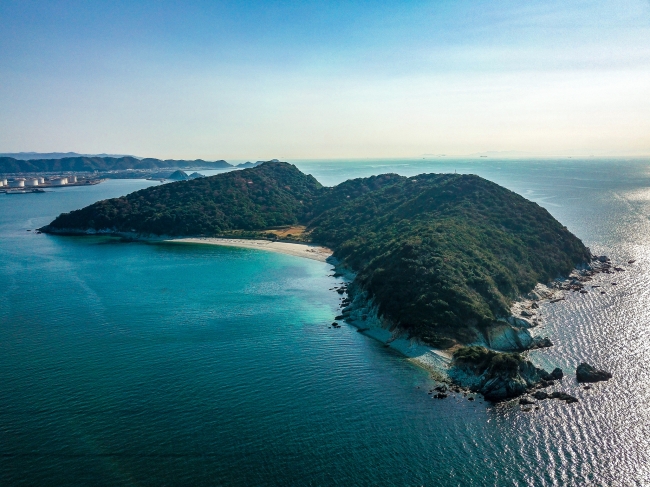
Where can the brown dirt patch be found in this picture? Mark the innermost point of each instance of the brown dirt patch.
(282, 232)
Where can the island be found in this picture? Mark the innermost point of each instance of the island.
(440, 259)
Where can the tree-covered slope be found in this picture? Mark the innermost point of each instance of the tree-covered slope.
(271, 194)
(440, 253)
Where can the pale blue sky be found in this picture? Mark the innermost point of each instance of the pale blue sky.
(253, 80)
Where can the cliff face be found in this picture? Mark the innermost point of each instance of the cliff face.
(441, 255)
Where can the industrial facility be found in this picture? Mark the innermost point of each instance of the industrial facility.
(32, 184)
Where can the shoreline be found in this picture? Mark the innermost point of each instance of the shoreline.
(308, 251)
(362, 314)
(297, 249)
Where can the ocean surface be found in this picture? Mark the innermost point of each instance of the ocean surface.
(162, 364)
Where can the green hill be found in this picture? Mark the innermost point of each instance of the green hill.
(272, 194)
(444, 251)
(439, 253)
(178, 175)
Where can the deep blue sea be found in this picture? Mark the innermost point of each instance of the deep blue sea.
(133, 364)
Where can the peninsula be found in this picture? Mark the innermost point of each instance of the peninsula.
(440, 258)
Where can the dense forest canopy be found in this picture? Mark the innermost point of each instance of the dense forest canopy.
(439, 253)
(272, 194)
(447, 251)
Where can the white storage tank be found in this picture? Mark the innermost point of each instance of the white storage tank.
(72, 179)
(41, 180)
(4, 182)
(59, 182)
(17, 183)
(31, 182)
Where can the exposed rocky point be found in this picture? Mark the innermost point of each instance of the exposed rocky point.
(563, 396)
(499, 376)
(588, 373)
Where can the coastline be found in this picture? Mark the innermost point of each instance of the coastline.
(513, 334)
(519, 332)
(308, 251)
(362, 314)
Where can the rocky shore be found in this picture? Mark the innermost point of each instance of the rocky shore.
(495, 364)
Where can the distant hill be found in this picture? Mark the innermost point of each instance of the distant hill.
(246, 165)
(441, 254)
(102, 164)
(178, 176)
(26, 156)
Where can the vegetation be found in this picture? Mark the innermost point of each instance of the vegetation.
(10, 165)
(269, 195)
(439, 253)
(443, 252)
(178, 175)
(480, 360)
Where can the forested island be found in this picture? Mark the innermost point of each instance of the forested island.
(442, 257)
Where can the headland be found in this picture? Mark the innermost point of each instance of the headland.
(445, 268)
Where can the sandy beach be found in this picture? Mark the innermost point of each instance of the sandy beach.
(309, 251)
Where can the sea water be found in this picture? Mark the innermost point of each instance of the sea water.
(141, 364)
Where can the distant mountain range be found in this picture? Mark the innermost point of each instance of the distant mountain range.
(80, 163)
(26, 156)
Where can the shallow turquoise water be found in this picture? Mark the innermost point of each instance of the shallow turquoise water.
(137, 364)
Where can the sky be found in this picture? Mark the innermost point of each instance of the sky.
(322, 80)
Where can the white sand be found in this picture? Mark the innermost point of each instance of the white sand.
(308, 251)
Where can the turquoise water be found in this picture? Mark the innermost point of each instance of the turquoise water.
(139, 364)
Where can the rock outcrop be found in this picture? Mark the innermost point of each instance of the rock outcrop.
(588, 373)
(562, 396)
(499, 376)
(505, 336)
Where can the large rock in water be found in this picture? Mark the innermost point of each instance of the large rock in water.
(588, 373)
